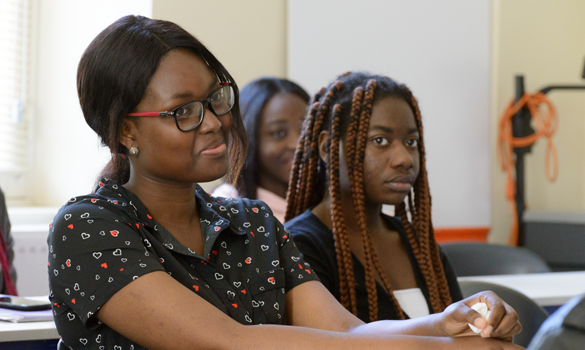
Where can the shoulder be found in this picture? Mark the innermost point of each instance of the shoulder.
(308, 226)
(226, 190)
(109, 206)
(222, 203)
(242, 213)
(90, 207)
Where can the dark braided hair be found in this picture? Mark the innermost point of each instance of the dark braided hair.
(344, 109)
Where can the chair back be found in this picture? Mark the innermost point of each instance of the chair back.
(531, 314)
(564, 329)
(482, 259)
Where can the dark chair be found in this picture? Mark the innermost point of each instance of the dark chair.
(482, 259)
(564, 329)
(61, 345)
(531, 314)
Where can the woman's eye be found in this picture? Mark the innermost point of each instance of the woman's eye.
(278, 134)
(412, 142)
(184, 112)
(181, 112)
(216, 97)
(381, 141)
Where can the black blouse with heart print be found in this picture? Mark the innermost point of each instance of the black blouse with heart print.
(99, 243)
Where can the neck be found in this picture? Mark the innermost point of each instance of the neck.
(273, 186)
(171, 204)
(374, 220)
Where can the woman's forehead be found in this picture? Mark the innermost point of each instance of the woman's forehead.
(392, 112)
(182, 74)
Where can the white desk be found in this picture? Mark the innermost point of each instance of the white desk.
(546, 289)
(27, 331)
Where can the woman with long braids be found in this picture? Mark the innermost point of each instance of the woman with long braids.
(151, 261)
(362, 147)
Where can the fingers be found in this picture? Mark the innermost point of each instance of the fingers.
(503, 321)
(459, 316)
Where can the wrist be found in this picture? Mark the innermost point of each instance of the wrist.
(439, 328)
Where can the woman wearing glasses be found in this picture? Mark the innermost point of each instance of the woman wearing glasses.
(152, 261)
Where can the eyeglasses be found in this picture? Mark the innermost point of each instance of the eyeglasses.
(190, 115)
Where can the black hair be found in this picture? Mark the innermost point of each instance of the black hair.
(253, 99)
(114, 73)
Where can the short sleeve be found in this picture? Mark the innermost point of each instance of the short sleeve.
(94, 251)
(312, 254)
(296, 269)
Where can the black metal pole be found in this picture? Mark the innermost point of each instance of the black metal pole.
(520, 128)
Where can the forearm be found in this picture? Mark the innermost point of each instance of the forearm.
(422, 326)
(290, 337)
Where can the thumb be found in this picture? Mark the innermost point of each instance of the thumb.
(475, 318)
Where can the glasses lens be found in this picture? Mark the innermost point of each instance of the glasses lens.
(222, 101)
(189, 116)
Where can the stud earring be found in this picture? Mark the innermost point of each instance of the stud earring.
(133, 151)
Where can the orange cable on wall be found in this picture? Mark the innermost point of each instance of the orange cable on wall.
(545, 124)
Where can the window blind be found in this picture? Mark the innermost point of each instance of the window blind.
(14, 53)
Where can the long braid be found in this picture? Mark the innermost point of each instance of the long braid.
(441, 287)
(355, 167)
(293, 186)
(313, 160)
(342, 248)
(303, 153)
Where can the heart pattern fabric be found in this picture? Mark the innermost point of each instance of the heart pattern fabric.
(243, 242)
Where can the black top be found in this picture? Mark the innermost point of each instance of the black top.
(5, 231)
(100, 243)
(315, 240)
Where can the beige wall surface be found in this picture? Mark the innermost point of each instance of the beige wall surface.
(542, 40)
(248, 37)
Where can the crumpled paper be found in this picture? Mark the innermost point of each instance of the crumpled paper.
(482, 309)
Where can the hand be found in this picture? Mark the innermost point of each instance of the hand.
(503, 322)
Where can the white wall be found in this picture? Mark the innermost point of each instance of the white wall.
(440, 49)
(67, 155)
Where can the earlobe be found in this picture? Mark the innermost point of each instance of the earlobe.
(323, 140)
(127, 134)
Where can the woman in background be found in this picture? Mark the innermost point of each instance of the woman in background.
(273, 110)
(362, 147)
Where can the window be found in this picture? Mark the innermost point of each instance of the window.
(15, 34)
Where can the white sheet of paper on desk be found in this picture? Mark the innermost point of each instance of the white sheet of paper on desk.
(15, 316)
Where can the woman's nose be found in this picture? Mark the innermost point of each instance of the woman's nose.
(293, 139)
(402, 157)
(210, 123)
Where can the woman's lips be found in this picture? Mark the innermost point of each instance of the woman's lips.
(399, 186)
(215, 150)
